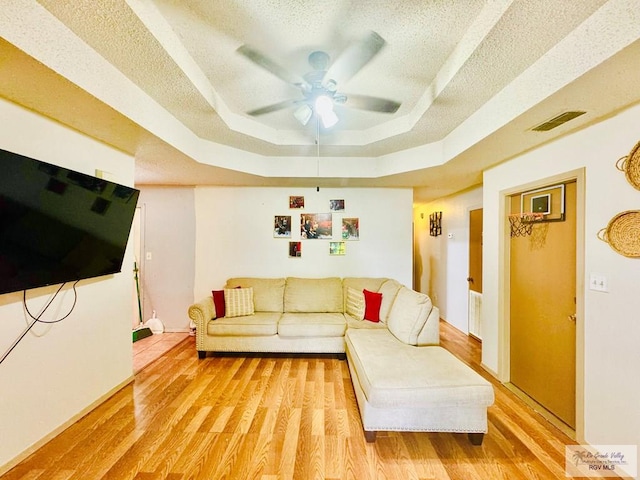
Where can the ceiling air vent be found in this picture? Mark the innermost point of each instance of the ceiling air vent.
(557, 121)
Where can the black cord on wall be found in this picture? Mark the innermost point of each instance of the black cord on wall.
(38, 319)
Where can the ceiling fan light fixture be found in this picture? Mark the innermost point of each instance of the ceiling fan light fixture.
(323, 105)
(303, 114)
(329, 119)
(324, 109)
(330, 85)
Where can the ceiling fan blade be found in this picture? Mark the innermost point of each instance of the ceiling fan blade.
(354, 57)
(273, 108)
(374, 104)
(265, 62)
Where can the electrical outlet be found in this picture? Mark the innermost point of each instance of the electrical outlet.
(149, 256)
(598, 283)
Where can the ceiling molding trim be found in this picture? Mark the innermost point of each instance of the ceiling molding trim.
(478, 31)
(157, 25)
(152, 19)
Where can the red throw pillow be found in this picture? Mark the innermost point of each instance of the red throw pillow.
(372, 302)
(218, 301)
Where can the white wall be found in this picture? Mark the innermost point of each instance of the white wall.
(443, 262)
(57, 371)
(611, 320)
(168, 236)
(234, 235)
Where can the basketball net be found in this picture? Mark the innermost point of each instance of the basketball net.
(529, 224)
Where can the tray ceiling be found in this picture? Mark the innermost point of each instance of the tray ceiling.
(161, 79)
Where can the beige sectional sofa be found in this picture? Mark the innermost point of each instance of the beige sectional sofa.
(402, 379)
(305, 315)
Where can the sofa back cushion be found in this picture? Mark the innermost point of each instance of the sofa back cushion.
(268, 293)
(408, 315)
(313, 295)
(389, 290)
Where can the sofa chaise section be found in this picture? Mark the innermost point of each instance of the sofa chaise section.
(402, 387)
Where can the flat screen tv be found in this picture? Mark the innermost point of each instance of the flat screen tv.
(58, 225)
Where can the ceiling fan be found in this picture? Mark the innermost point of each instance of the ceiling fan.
(319, 87)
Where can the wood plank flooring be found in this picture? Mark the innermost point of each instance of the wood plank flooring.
(149, 349)
(268, 418)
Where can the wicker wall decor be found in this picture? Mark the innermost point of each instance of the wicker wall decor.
(623, 233)
(435, 224)
(630, 165)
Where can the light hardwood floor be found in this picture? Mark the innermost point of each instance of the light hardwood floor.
(149, 349)
(279, 417)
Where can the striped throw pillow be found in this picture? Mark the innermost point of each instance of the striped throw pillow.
(355, 303)
(238, 302)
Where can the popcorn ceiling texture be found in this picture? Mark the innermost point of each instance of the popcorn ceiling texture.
(164, 75)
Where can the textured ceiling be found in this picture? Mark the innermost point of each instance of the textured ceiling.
(161, 79)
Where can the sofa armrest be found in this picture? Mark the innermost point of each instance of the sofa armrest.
(202, 312)
(430, 333)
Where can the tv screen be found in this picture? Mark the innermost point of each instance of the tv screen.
(58, 225)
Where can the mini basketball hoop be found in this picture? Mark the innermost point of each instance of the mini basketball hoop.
(521, 224)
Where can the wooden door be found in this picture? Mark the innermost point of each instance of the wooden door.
(475, 273)
(475, 250)
(542, 311)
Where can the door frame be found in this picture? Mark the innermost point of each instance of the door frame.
(504, 297)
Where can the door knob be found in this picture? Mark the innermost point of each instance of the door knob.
(470, 279)
(572, 317)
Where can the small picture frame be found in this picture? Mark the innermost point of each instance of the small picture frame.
(337, 248)
(350, 229)
(336, 205)
(295, 249)
(282, 226)
(296, 202)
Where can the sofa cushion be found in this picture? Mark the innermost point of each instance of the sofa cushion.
(408, 315)
(313, 295)
(389, 289)
(354, 323)
(354, 304)
(436, 379)
(312, 325)
(259, 324)
(238, 302)
(430, 333)
(267, 292)
(372, 301)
